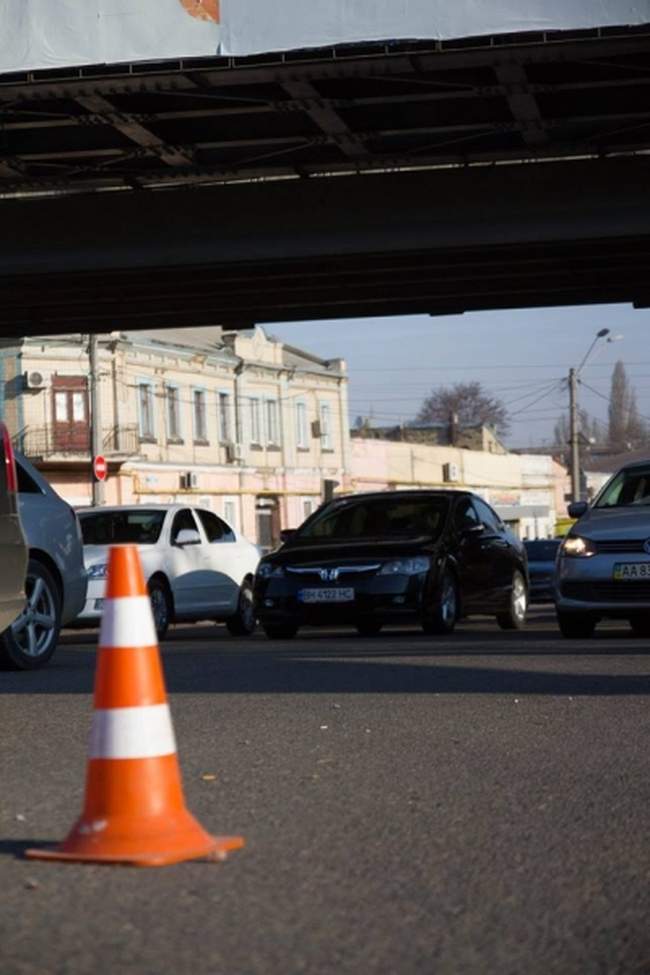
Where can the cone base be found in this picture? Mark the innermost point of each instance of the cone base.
(217, 847)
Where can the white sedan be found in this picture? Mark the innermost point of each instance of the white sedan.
(195, 565)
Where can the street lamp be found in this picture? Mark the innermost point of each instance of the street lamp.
(573, 411)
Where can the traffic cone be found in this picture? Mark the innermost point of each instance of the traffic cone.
(134, 810)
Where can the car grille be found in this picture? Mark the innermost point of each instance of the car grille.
(624, 546)
(331, 573)
(607, 592)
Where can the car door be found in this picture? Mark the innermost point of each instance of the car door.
(224, 559)
(500, 551)
(472, 554)
(190, 576)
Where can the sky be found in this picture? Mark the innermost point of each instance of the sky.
(522, 356)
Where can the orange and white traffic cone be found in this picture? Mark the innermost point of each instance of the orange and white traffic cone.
(134, 810)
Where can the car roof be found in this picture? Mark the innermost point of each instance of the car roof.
(404, 493)
(133, 507)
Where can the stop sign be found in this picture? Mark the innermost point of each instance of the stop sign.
(100, 467)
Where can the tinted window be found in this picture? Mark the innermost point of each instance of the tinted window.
(465, 515)
(542, 551)
(629, 487)
(26, 483)
(215, 529)
(182, 520)
(139, 526)
(489, 517)
(378, 518)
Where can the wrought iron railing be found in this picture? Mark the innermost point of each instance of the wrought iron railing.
(49, 441)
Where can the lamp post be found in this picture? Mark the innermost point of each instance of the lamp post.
(574, 440)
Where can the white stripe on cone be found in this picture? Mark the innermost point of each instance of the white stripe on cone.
(128, 622)
(142, 732)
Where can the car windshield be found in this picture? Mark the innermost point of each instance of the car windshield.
(138, 527)
(543, 550)
(378, 518)
(630, 488)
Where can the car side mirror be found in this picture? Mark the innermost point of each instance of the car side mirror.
(187, 536)
(286, 534)
(473, 530)
(577, 509)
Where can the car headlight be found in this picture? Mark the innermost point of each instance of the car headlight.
(577, 547)
(99, 571)
(268, 571)
(405, 567)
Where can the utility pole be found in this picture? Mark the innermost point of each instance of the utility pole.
(95, 417)
(575, 435)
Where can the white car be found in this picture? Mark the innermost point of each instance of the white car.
(195, 565)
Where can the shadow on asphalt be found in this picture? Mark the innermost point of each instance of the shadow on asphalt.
(329, 662)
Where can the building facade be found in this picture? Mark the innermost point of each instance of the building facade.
(521, 488)
(240, 422)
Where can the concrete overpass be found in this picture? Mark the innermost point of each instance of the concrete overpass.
(502, 172)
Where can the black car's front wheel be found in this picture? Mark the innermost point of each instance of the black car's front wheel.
(442, 615)
(31, 640)
(514, 617)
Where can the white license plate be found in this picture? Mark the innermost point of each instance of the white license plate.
(326, 595)
(624, 571)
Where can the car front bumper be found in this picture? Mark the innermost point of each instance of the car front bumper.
(588, 586)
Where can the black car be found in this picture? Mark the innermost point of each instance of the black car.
(371, 559)
(542, 553)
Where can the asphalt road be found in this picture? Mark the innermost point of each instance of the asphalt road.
(473, 804)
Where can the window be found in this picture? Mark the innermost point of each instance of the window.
(230, 511)
(389, 518)
(465, 516)
(224, 417)
(137, 526)
(200, 427)
(272, 426)
(173, 413)
(301, 425)
(256, 432)
(215, 529)
(184, 519)
(489, 517)
(308, 506)
(61, 407)
(146, 410)
(79, 407)
(325, 426)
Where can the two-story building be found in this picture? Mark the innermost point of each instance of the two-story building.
(239, 421)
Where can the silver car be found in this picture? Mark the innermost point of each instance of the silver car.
(56, 580)
(603, 566)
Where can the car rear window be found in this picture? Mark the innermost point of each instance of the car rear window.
(542, 551)
(139, 527)
(378, 518)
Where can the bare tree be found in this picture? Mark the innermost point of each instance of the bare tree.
(470, 402)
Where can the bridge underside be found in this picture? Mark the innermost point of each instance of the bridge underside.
(501, 172)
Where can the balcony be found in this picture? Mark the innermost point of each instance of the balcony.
(43, 444)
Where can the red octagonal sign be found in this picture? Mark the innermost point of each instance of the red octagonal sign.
(100, 468)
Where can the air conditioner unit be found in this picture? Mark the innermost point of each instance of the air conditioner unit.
(450, 473)
(234, 452)
(34, 380)
(189, 480)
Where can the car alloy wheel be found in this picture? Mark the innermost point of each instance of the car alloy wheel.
(244, 622)
(515, 617)
(160, 607)
(31, 639)
(443, 616)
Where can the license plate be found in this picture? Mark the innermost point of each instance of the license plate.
(326, 595)
(624, 571)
